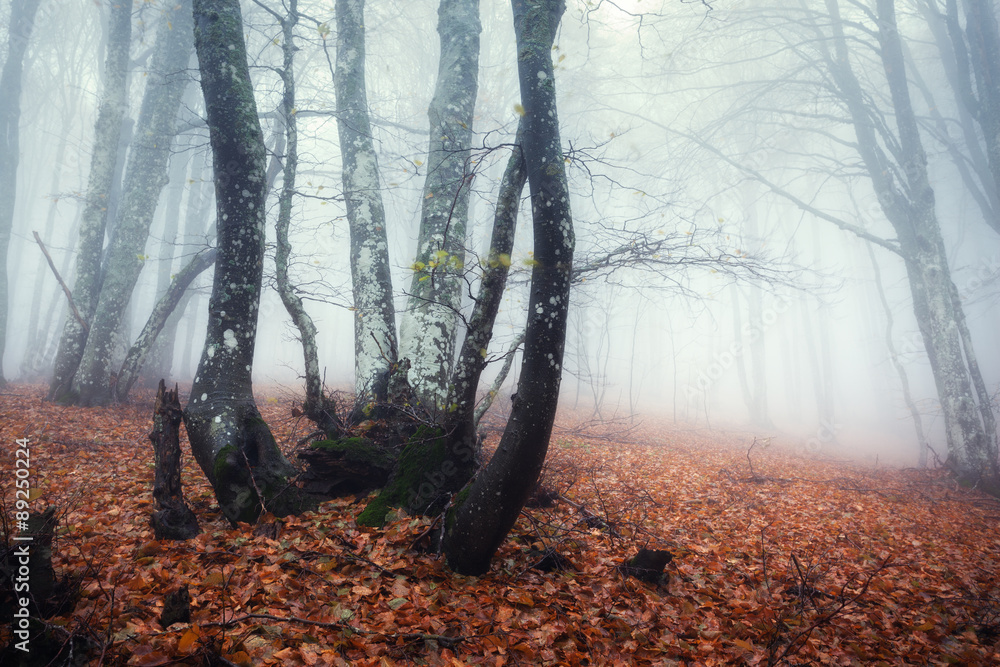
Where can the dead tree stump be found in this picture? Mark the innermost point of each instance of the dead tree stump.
(173, 519)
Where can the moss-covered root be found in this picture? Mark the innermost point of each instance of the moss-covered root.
(425, 476)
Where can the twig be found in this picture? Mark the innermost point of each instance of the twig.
(829, 616)
(69, 294)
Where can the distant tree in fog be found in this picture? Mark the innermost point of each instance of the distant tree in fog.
(22, 19)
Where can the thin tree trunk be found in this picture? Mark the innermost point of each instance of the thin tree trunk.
(160, 357)
(483, 514)
(22, 20)
(437, 467)
(145, 177)
(103, 161)
(230, 440)
(318, 407)
(375, 343)
(498, 381)
(138, 353)
(429, 328)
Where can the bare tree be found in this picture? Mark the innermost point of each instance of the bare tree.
(483, 515)
(230, 441)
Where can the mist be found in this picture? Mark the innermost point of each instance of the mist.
(728, 269)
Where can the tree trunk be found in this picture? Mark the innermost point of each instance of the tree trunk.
(482, 516)
(22, 20)
(429, 327)
(432, 468)
(974, 451)
(318, 407)
(137, 354)
(160, 358)
(984, 51)
(230, 440)
(146, 175)
(375, 345)
(103, 162)
(173, 519)
(909, 207)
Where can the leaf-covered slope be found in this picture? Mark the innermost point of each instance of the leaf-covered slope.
(798, 562)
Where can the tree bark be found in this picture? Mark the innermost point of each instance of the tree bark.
(230, 440)
(173, 519)
(375, 343)
(22, 21)
(483, 514)
(146, 175)
(429, 327)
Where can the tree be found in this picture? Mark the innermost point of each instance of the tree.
(145, 178)
(429, 327)
(22, 21)
(888, 152)
(230, 440)
(481, 517)
(375, 344)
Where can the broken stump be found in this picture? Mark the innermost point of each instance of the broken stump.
(173, 519)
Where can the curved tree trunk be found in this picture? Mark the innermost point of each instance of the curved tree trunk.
(22, 20)
(145, 177)
(481, 517)
(230, 440)
(375, 346)
(164, 308)
(429, 326)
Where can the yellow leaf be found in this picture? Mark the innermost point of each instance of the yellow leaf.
(418, 162)
(482, 352)
(187, 641)
(518, 109)
(504, 259)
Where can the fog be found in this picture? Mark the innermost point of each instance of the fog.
(713, 126)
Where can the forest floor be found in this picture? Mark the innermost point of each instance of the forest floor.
(796, 561)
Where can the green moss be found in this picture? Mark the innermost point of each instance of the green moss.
(222, 461)
(374, 513)
(361, 450)
(421, 476)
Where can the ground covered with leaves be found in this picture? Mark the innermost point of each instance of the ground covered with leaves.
(779, 558)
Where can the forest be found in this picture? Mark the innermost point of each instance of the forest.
(550, 332)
